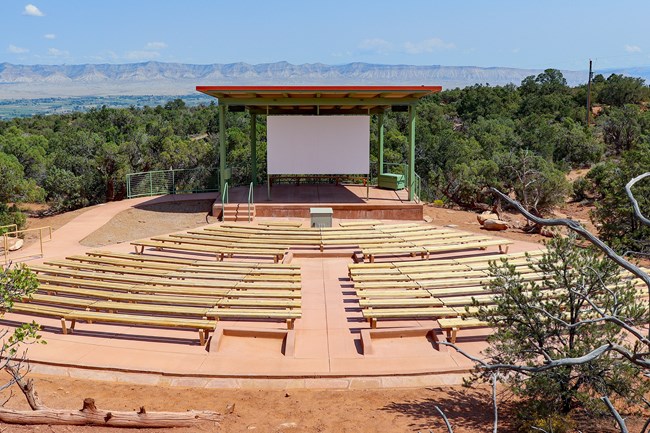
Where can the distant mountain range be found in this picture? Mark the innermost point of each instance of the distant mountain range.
(156, 78)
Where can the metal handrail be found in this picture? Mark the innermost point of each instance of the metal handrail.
(250, 200)
(5, 240)
(224, 200)
(417, 188)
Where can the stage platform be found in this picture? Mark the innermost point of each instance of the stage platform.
(346, 201)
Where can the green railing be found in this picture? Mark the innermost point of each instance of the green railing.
(224, 200)
(178, 181)
(250, 200)
(417, 188)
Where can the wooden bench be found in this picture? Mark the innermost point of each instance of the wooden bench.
(400, 302)
(202, 325)
(146, 308)
(289, 316)
(451, 326)
(294, 224)
(95, 294)
(394, 293)
(360, 223)
(374, 314)
(246, 302)
(412, 250)
(39, 310)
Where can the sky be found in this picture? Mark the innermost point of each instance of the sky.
(521, 34)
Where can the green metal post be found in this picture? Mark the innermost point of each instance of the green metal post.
(380, 126)
(222, 147)
(411, 153)
(254, 148)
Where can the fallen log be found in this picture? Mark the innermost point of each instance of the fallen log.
(90, 415)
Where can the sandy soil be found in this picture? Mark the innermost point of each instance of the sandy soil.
(358, 411)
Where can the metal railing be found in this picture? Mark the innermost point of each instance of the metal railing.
(173, 181)
(224, 200)
(417, 188)
(15, 235)
(250, 200)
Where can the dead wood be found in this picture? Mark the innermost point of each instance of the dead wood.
(91, 415)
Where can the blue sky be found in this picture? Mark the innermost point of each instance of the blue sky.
(522, 34)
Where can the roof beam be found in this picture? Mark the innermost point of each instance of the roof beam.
(317, 101)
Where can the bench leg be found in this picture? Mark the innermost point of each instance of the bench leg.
(290, 324)
(503, 249)
(64, 328)
(454, 332)
(72, 323)
(275, 259)
(373, 323)
(202, 337)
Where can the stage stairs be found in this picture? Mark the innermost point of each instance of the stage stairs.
(237, 212)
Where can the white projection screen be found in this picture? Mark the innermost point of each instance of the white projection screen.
(318, 144)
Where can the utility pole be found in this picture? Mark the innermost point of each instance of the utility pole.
(589, 94)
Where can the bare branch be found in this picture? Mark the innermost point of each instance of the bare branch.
(578, 228)
(635, 204)
(444, 418)
(494, 402)
(617, 416)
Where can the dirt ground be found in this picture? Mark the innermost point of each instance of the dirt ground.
(151, 220)
(305, 410)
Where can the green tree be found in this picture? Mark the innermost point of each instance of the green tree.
(16, 284)
(535, 181)
(614, 214)
(619, 90)
(539, 322)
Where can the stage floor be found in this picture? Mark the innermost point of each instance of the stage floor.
(347, 201)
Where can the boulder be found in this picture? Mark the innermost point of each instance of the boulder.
(487, 215)
(13, 243)
(495, 224)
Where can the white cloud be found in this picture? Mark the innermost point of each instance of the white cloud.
(55, 52)
(155, 46)
(633, 48)
(377, 45)
(142, 55)
(17, 50)
(427, 46)
(49, 36)
(33, 11)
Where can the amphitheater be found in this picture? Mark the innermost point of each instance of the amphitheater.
(270, 303)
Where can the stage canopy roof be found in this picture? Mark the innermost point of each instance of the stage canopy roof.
(310, 100)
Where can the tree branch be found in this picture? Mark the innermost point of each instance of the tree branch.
(617, 416)
(635, 204)
(578, 228)
(444, 418)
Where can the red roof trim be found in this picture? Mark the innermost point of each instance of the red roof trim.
(432, 89)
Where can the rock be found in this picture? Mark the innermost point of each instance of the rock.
(230, 408)
(451, 226)
(428, 219)
(487, 215)
(495, 224)
(287, 425)
(15, 243)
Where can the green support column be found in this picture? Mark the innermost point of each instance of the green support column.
(380, 127)
(222, 147)
(411, 153)
(253, 148)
